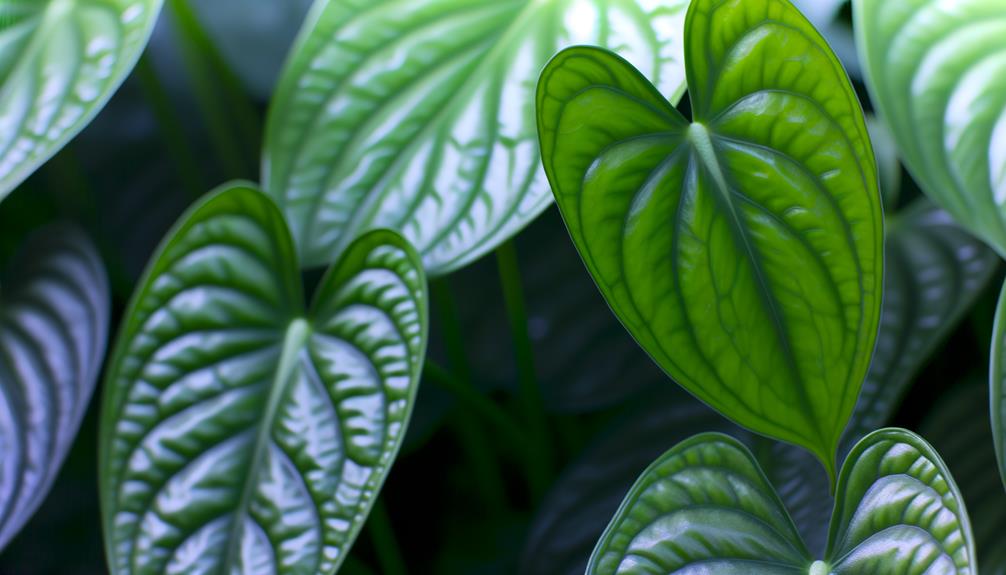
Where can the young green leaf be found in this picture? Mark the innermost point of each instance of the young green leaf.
(53, 330)
(997, 384)
(60, 61)
(934, 272)
(240, 431)
(937, 72)
(418, 115)
(693, 231)
(705, 504)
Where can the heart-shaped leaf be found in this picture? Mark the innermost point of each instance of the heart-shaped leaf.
(692, 231)
(934, 272)
(60, 61)
(706, 505)
(937, 72)
(997, 384)
(418, 115)
(53, 330)
(241, 432)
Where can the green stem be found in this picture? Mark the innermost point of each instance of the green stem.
(540, 449)
(206, 67)
(382, 536)
(169, 125)
(477, 402)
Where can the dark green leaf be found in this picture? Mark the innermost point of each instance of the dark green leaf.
(997, 384)
(240, 431)
(60, 61)
(418, 115)
(692, 231)
(53, 330)
(705, 505)
(937, 73)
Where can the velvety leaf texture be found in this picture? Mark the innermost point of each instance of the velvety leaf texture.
(706, 507)
(693, 231)
(241, 433)
(934, 271)
(60, 61)
(53, 331)
(937, 72)
(418, 115)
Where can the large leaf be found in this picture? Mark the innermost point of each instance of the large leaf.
(241, 432)
(53, 330)
(706, 505)
(997, 384)
(692, 231)
(418, 115)
(937, 73)
(60, 61)
(934, 272)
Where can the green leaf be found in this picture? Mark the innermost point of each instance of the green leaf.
(937, 74)
(53, 331)
(692, 231)
(934, 272)
(418, 115)
(706, 505)
(60, 61)
(997, 384)
(241, 431)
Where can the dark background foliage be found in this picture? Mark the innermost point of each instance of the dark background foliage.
(470, 492)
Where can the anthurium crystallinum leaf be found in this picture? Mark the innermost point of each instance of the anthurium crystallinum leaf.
(418, 115)
(241, 431)
(60, 61)
(937, 72)
(706, 505)
(742, 250)
(53, 332)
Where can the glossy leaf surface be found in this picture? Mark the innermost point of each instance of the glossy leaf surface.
(418, 115)
(692, 231)
(705, 505)
(937, 73)
(240, 432)
(997, 384)
(60, 61)
(934, 271)
(53, 331)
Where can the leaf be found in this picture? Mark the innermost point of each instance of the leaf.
(417, 115)
(60, 61)
(239, 431)
(938, 80)
(965, 441)
(692, 232)
(53, 331)
(934, 272)
(997, 389)
(706, 505)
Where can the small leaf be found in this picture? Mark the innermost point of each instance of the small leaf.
(60, 61)
(418, 115)
(705, 505)
(53, 331)
(997, 384)
(934, 272)
(937, 72)
(692, 231)
(240, 431)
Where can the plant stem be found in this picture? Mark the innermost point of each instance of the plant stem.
(540, 449)
(206, 67)
(382, 536)
(169, 125)
(477, 402)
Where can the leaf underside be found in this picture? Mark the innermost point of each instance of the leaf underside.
(240, 431)
(937, 73)
(53, 331)
(418, 115)
(692, 231)
(60, 61)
